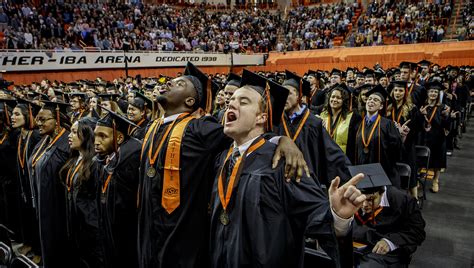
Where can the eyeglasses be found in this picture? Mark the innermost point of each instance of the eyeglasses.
(374, 99)
(42, 120)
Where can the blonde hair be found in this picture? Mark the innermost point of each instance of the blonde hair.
(407, 105)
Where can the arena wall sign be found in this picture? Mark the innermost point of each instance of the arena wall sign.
(17, 61)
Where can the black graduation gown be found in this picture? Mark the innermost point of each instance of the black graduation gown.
(401, 223)
(180, 239)
(9, 186)
(351, 136)
(435, 139)
(324, 157)
(418, 95)
(268, 217)
(139, 133)
(408, 154)
(51, 203)
(29, 222)
(387, 154)
(83, 221)
(117, 207)
(220, 115)
(318, 100)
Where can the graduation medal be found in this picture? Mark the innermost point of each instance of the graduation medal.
(151, 172)
(367, 143)
(428, 123)
(225, 197)
(224, 218)
(103, 198)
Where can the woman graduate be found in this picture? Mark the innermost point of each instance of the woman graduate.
(23, 119)
(433, 132)
(8, 181)
(137, 112)
(81, 205)
(48, 157)
(339, 119)
(408, 120)
(378, 139)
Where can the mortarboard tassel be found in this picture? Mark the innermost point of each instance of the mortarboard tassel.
(209, 97)
(300, 97)
(31, 119)
(114, 135)
(269, 109)
(7, 115)
(58, 120)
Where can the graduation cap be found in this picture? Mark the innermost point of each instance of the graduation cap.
(274, 94)
(117, 123)
(234, 80)
(343, 87)
(409, 65)
(81, 95)
(314, 74)
(369, 73)
(399, 83)
(303, 86)
(62, 107)
(32, 109)
(6, 91)
(149, 86)
(336, 72)
(381, 92)
(109, 97)
(38, 96)
(57, 108)
(141, 102)
(359, 75)
(379, 74)
(60, 94)
(359, 89)
(374, 177)
(203, 86)
(435, 84)
(424, 63)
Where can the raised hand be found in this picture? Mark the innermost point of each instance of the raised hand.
(347, 199)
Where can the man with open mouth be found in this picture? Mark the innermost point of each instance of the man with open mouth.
(178, 154)
(258, 220)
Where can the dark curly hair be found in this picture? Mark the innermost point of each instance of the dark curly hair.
(345, 102)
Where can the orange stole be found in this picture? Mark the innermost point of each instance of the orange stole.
(170, 197)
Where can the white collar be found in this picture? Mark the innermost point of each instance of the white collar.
(171, 118)
(245, 146)
(384, 201)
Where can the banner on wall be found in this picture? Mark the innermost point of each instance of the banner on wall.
(17, 61)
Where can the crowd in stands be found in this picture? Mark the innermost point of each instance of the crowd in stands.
(466, 31)
(408, 22)
(313, 28)
(116, 26)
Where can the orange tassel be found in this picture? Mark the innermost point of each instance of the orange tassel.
(30, 115)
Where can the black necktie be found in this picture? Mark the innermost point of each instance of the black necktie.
(233, 159)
